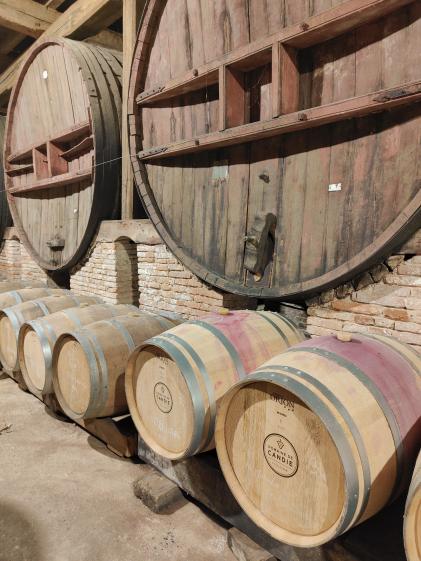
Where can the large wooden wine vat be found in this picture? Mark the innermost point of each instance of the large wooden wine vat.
(175, 381)
(332, 428)
(412, 520)
(5, 218)
(62, 148)
(276, 145)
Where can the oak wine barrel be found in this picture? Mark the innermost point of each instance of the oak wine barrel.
(332, 428)
(12, 319)
(89, 364)
(63, 148)
(412, 519)
(5, 218)
(37, 339)
(15, 286)
(175, 380)
(290, 137)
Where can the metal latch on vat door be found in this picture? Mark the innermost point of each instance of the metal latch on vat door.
(259, 244)
(56, 243)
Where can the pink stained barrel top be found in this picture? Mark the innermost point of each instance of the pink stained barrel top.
(232, 326)
(391, 373)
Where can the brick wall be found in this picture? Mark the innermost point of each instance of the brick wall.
(386, 300)
(10, 259)
(110, 271)
(166, 285)
(30, 271)
(15, 262)
(129, 272)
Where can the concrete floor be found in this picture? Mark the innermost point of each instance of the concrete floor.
(65, 497)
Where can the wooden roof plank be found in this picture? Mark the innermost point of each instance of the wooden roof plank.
(26, 16)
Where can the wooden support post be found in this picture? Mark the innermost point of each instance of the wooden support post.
(236, 106)
(131, 16)
(222, 98)
(285, 80)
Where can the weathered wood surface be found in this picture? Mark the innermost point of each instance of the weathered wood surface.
(5, 218)
(132, 10)
(63, 148)
(26, 16)
(379, 539)
(309, 112)
(331, 426)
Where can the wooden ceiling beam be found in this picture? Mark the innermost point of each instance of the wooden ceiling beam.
(54, 3)
(81, 20)
(26, 16)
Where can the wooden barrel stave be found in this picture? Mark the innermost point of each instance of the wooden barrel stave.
(412, 518)
(19, 295)
(187, 369)
(89, 364)
(391, 391)
(93, 95)
(37, 339)
(12, 319)
(355, 382)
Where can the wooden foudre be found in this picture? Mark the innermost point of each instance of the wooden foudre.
(412, 520)
(323, 436)
(63, 148)
(37, 339)
(12, 319)
(174, 381)
(89, 364)
(276, 145)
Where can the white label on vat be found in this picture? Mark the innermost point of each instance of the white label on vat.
(335, 187)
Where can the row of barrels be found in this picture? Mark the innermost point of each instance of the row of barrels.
(313, 436)
(331, 426)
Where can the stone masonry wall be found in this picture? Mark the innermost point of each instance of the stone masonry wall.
(166, 285)
(386, 300)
